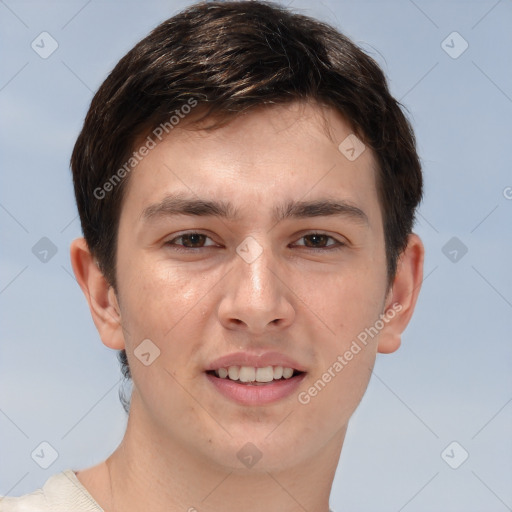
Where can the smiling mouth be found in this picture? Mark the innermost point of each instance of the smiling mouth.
(252, 376)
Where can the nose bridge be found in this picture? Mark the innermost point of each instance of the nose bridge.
(255, 271)
(255, 294)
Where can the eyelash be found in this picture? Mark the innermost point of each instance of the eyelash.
(333, 247)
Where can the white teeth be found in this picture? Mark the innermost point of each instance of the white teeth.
(247, 374)
(233, 372)
(287, 372)
(251, 374)
(265, 374)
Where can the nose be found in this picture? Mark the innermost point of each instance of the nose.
(256, 297)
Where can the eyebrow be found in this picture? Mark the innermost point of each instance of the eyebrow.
(179, 204)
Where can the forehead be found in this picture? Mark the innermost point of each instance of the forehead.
(266, 157)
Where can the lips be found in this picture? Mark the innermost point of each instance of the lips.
(254, 360)
(250, 374)
(255, 379)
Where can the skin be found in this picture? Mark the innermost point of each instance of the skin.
(180, 447)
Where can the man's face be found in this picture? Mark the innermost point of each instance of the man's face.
(295, 289)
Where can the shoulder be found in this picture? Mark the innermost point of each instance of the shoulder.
(61, 493)
(34, 502)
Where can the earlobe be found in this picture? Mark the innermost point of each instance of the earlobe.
(100, 295)
(390, 338)
(403, 294)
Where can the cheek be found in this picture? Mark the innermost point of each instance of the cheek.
(352, 301)
(342, 394)
(159, 304)
(159, 295)
(340, 379)
(352, 304)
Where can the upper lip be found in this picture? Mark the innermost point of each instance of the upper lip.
(260, 360)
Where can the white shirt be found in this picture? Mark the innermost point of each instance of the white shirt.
(61, 493)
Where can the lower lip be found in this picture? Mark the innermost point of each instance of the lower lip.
(261, 394)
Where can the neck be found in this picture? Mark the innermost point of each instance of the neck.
(149, 471)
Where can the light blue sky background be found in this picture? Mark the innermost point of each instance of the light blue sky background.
(450, 381)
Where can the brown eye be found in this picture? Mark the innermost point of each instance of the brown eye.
(317, 240)
(320, 241)
(193, 240)
(189, 241)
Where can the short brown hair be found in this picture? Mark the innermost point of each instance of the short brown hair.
(231, 57)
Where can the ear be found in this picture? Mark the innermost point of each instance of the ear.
(99, 294)
(402, 296)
